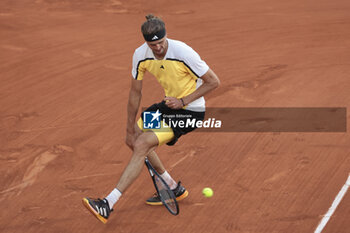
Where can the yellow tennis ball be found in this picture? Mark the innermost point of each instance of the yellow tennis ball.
(208, 192)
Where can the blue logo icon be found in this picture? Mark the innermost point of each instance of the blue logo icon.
(151, 120)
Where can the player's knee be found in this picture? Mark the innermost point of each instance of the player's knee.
(143, 144)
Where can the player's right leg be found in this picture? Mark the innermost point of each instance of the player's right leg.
(152, 156)
(144, 144)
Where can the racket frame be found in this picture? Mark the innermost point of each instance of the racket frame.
(155, 174)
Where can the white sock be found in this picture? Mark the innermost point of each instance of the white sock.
(170, 181)
(113, 197)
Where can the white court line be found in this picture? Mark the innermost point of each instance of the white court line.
(192, 152)
(335, 204)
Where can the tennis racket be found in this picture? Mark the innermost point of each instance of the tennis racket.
(164, 192)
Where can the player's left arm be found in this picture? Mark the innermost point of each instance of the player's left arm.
(210, 82)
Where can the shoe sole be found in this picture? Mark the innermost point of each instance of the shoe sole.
(93, 211)
(179, 198)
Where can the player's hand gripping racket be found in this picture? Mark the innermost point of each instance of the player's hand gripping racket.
(164, 192)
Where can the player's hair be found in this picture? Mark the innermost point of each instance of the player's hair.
(152, 25)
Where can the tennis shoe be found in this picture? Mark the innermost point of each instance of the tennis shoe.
(180, 193)
(99, 208)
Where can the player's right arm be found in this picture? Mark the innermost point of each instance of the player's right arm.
(135, 95)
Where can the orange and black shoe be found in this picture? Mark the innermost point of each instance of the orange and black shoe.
(180, 193)
(99, 208)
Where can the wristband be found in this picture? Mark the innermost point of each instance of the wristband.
(183, 103)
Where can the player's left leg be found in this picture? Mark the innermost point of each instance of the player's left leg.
(164, 136)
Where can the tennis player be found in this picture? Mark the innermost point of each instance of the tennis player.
(185, 78)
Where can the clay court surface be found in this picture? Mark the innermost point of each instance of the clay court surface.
(65, 70)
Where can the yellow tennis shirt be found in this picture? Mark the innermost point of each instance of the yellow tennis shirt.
(178, 72)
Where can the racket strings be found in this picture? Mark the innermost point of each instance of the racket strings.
(165, 195)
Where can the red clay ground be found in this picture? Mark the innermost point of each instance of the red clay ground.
(64, 80)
